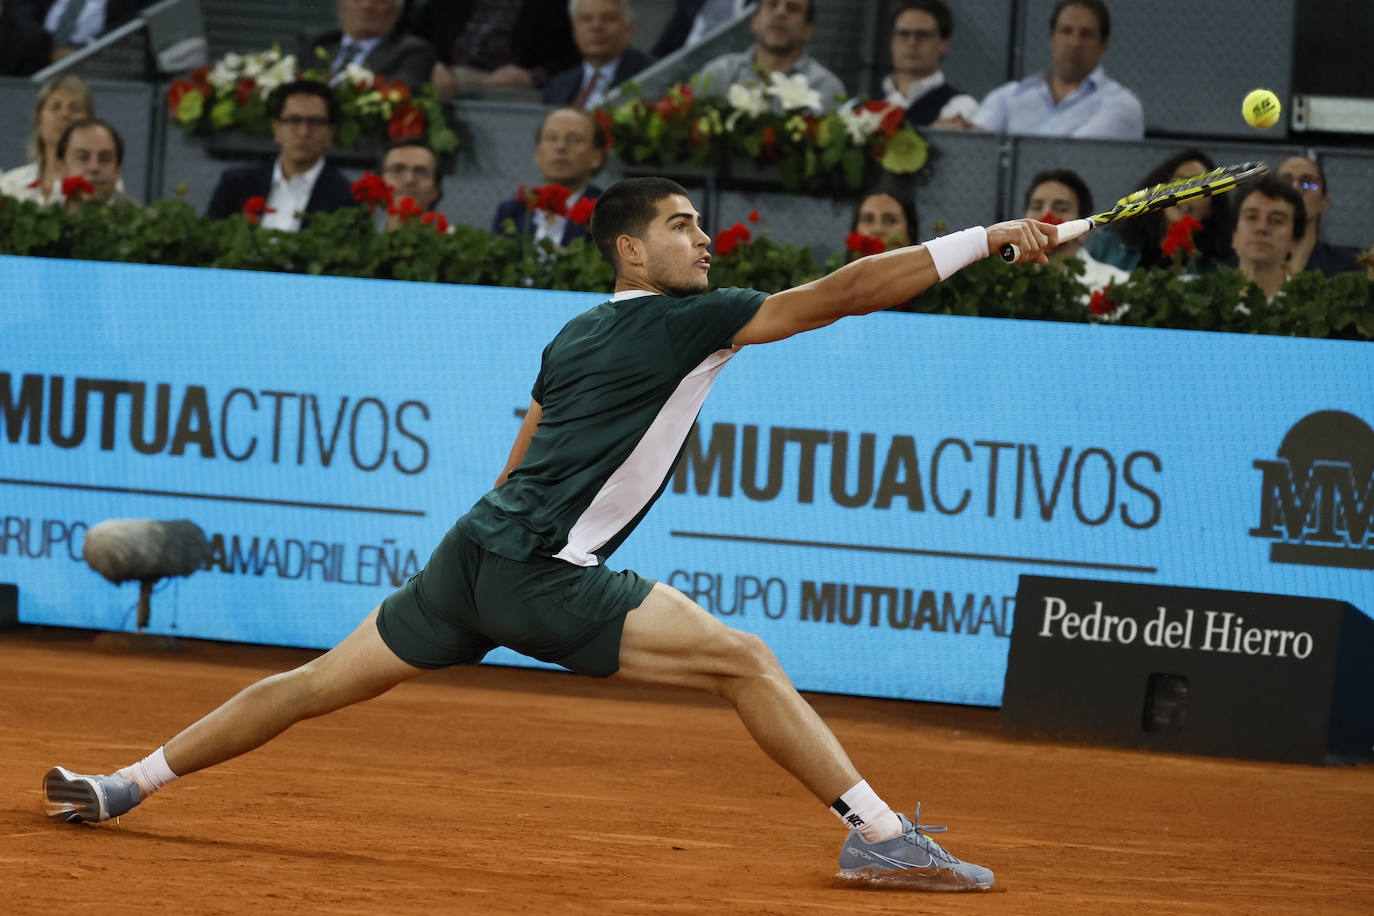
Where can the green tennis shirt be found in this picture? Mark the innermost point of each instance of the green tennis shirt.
(620, 387)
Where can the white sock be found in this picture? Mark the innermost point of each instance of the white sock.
(861, 809)
(151, 773)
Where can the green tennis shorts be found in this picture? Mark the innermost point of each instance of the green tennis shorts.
(468, 600)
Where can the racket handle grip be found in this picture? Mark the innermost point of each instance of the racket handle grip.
(1067, 233)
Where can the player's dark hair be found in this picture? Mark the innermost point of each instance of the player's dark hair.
(277, 100)
(421, 144)
(944, 19)
(1099, 9)
(1146, 232)
(1069, 179)
(91, 122)
(1272, 188)
(627, 208)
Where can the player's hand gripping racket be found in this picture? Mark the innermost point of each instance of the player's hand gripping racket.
(1148, 200)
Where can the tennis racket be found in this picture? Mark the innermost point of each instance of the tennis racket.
(1148, 200)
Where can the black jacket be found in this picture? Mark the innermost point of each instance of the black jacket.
(543, 39)
(397, 56)
(236, 185)
(564, 87)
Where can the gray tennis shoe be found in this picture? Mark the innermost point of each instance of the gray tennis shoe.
(75, 799)
(911, 860)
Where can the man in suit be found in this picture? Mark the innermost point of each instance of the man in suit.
(570, 148)
(299, 181)
(495, 44)
(365, 37)
(692, 19)
(602, 30)
(921, 33)
(95, 151)
(65, 25)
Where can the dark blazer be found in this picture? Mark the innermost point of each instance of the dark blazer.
(332, 190)
(542, 39)
(31, 13)
(678, 27)
(515, 210)
(397, 56)
(564, 87)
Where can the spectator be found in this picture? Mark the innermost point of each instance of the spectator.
(365, 37)
(61, 103)
(25, 48)
(602, 30)
(1074, 98)
(884, 216)
(94, 150)
(782, 29)
(59, 27)
(1060, 195)
(411, 169)
(299, 180)
(921, 31)
(1137, 242)
(1269, 222)
(485, 45)
(692, 19)
(570, 149)
(1309, 179)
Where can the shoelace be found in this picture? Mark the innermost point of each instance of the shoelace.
(917, 836)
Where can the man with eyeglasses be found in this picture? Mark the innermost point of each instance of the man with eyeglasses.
(299, 181)
(411, 169)
(921, 31)
(1308, 178)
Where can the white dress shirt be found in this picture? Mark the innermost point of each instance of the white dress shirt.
(90, 22)
(289, 197)
(603, 82)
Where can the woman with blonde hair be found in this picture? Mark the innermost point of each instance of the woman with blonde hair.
(61, 102)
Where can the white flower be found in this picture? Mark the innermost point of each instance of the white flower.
(357, 73)
(860, 124)
(220, 75)
(252, 67)
(747, 100)
(232, 61)
(794, 92)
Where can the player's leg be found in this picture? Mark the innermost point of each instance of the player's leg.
(357, 669)
(669, 639)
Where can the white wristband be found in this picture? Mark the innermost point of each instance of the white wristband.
(952, 253)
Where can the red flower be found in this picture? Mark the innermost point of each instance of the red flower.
(201, 75)
(1100, 304)
(582, 211)
(178, 91)
(1049, 217)
(892, 121)
(877, 105)
(371, 190)
(753, 216)
(407, 121)
(405, 209)
(244, 90)
(865, 245)
(35, 183)
(398, 87)
(255, 207)
(727, 240)
(77, 184)
(437, 220)
(686, 92)
(603, 117)
(550, 197)
(1180, 236)
(770, 139)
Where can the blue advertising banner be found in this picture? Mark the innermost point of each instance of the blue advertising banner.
(864, 496)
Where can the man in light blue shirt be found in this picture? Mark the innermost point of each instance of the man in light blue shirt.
(1074, 98)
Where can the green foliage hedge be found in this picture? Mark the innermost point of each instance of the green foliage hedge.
(347, 244)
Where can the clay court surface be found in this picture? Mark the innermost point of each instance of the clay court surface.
(497, 790)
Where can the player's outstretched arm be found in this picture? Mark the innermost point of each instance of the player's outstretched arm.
(881, 281)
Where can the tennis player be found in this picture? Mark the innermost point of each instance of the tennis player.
(616, 395)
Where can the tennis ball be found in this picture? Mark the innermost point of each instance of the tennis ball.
(1261, 108)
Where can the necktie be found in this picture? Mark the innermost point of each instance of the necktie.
(66, 23)
(587, 89)
(349, 52)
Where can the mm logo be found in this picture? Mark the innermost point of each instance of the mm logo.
(1317, 496)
